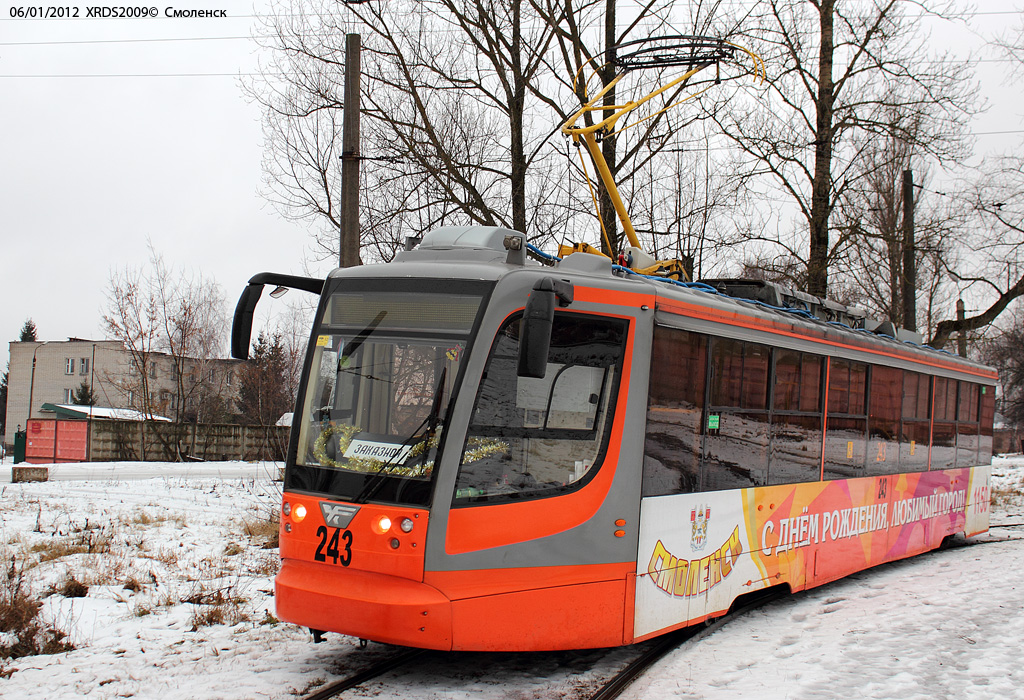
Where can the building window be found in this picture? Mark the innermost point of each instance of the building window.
(211, 375)
(69, 365)
(228, 378)
(83, 366)
(69, 396)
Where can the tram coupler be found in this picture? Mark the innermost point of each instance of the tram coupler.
(363, 643)
(318, 635)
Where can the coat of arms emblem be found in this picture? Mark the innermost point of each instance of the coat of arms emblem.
(699, 519)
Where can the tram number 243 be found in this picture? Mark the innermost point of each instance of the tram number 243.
(330, 548)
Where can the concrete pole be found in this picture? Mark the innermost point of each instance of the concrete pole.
(349, 215)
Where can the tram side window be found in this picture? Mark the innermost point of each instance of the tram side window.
(944, 426)
(885, 406)
(915, 431)
(737, 437)
(674, 410)
(986, 414)
(846, 435)
(967, 426)
(796, 418)
(531, 438)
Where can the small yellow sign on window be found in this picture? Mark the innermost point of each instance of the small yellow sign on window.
(323, 341)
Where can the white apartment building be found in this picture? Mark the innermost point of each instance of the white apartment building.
(52, 372)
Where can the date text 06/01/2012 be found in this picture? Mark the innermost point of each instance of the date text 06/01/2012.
(109, 12)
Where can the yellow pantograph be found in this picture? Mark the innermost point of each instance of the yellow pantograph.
(693, 52)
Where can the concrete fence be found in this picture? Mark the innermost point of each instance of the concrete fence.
(110, 440)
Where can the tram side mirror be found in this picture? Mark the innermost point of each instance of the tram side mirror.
(241, 326)
(535, 332)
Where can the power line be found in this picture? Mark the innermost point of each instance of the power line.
(268, 36)
(144, 75)
(122, 41)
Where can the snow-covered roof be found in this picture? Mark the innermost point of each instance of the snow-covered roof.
(99, 412)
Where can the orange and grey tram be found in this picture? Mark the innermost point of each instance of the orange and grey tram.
(489, 453)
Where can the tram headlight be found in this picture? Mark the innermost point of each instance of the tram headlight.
(406, 525)
(383, 524)
(286, 508)
(299, 512)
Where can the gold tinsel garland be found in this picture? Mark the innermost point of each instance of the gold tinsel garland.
(477, 448)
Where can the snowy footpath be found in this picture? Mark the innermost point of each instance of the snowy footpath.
(162, 577)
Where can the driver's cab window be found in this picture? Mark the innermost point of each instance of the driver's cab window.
(533, 437)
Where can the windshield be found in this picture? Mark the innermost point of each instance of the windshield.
(384, 367)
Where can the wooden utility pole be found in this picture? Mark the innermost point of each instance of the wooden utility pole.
(909, 258)
(349, 215)
(608, 215)
(961, 337)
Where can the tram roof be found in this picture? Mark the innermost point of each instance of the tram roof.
(478, 253)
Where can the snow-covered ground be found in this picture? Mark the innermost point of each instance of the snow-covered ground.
(179, 605)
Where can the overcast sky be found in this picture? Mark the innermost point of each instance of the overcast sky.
(94, 162)
(93, 167)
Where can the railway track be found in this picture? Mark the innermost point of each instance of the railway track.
(610, 689)
(621, 680)
(368, 674)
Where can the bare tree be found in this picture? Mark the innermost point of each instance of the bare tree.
(163, 313)
(192, 317)
(836, 70)
(447, 124)
(462, 102)
(133, 317)
(993, 263)
(1003, 351)
(991, 272)
(871, 217)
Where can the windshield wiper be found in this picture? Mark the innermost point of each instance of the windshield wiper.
(360, 338)
(376, 479)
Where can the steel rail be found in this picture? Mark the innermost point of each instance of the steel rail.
(673, 640)
(368, 674)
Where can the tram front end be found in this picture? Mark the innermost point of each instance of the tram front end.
(444, 486)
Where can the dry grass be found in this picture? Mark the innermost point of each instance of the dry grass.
(71, 587)
(264, 564)
(87, 540)
(132, 584)
(1001, 497)
(221, 606)
(264, 532)
(125, 543)
(167, 556)
(145, 518)
(26, 634)
(312, 685)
